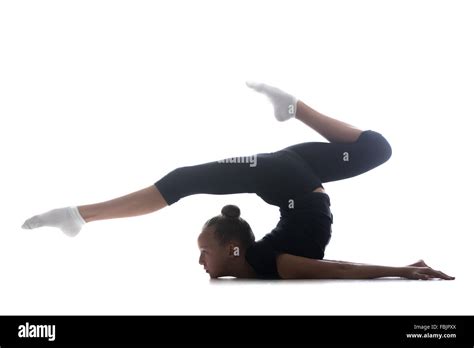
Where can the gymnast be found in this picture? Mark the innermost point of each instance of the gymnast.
(291, 179)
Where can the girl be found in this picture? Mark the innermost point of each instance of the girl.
(291, 178)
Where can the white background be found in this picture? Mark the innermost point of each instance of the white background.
(102, 98)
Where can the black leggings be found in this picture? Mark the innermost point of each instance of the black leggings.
(279, 176)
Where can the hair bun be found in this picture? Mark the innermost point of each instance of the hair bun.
(230, 211)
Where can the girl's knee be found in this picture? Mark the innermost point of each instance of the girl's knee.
(377, 145)
(384, 148)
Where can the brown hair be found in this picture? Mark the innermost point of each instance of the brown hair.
(230, 226)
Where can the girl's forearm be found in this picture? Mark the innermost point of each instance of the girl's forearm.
(363, 271)
(349, 262)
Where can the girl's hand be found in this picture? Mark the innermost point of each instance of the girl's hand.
(419, 263)
(423, 272)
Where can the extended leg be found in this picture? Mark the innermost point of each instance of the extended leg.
(145, 201)
(211, 178)
(71, 219)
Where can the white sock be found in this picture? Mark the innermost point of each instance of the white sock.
(284, 104)
(68, 219)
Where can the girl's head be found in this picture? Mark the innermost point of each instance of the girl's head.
(223, 242)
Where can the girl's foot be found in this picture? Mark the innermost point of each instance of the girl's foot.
(68, 219)
(284, 104)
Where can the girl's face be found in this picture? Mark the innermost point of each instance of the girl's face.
(214, 257)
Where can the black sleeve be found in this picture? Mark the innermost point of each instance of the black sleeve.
(262, 257)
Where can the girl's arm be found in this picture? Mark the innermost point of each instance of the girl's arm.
(419, 263)
(297, 267)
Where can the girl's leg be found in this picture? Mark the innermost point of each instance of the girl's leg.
(213, 178)
(228, 176)
(145, 201)
(287, 106)
(350, 152)
(210, 178)
(71, 219)
(331, 129)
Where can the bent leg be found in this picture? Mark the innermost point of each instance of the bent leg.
(330, 128)
(337, 161)
(350, 152)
